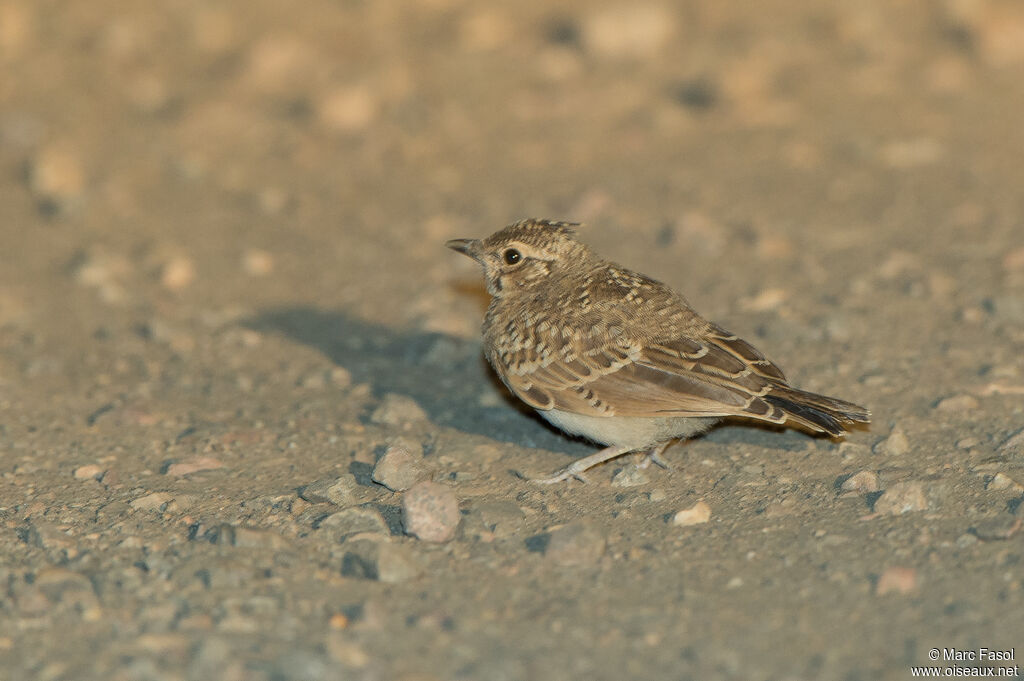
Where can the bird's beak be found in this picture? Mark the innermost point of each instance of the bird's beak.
(470, 247)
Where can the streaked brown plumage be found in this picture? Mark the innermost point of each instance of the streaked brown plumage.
(618, 357)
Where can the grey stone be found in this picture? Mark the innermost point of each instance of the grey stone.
(379, 560)
(248, 537)
(1001, 527)
(341, 491)
(500, 517)
(352, 521)
(902, 497)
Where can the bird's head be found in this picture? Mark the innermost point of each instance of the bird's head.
(524, 254)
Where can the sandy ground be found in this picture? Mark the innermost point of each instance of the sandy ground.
(224, 297)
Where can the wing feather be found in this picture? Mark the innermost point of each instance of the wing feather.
(714, 376)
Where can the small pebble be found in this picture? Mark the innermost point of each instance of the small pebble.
(298, 506)
(968, 442)
(628, 30)
(850, 451)
(896, 579)
(352, 521)
(89, 472)
(46, 535)
(1013, 445)
(1014, 260)
(576, 544)
(430, 512)
(157, 501)
(398, 469)
(1001, 481)
(177, 273)
(68, 588)
(30, 600)
(862, 482)
(896, 444)
(966, 540)
(106, 272)
(248, 537)
(765, 301)
(379, 560)
(695, 515)
(272, 201)
(999, 33)
(780, 508)
(56, 178)
(61, 577)
(501, 517)
(343, 650)
(957, 404)
(348, 109)
(257, 263)
(902, 497)
(1001, 527)
(277, 63)
(398, 410)
(341, 377)
(630, 476)
(342, 491)
(202, 463)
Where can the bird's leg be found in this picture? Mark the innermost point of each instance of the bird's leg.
(576, 468)
(654, 456)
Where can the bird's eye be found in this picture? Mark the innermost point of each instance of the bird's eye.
(512, 256)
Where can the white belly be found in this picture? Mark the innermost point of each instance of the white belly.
(628, 431)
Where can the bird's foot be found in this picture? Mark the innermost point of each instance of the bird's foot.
(654, 456)
(570, 471)
(577, 468)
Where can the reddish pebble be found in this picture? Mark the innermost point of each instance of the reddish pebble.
(430, 512)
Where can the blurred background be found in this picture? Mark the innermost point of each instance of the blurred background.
(218, 153)
(223, 216)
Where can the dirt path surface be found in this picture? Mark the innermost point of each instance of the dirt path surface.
(226, 308)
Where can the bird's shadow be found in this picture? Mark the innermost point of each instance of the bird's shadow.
(446, 375)
(450, 379)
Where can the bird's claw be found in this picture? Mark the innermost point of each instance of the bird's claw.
(570, 471)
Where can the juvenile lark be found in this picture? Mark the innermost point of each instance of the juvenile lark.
(618, 357)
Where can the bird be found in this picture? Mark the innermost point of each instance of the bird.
(619, 358)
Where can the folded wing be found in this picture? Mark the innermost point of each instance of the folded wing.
(717, 374)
